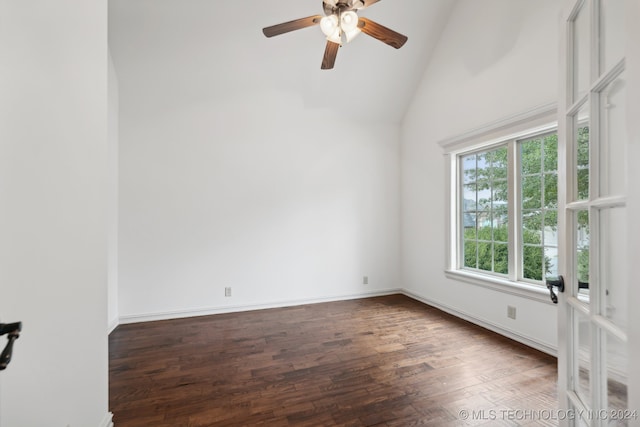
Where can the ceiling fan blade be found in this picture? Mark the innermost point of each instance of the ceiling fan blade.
(330, 53)
(382, 33)
(296, 24)
(361, 4)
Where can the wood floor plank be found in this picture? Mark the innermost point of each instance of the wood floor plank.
(387, 361)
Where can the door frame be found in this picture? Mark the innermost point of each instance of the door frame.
(632, 13)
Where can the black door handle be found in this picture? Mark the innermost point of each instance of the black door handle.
(559, 283)
(13, 332)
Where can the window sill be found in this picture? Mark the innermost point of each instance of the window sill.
(521, 289)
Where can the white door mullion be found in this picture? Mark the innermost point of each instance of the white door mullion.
(566, 397)
(513, 212)
(598, 300)
(611, 328)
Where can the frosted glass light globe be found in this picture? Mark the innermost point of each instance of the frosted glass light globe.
(329, 25)
(348, 21)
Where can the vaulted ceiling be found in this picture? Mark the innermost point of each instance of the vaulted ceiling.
(170, 53)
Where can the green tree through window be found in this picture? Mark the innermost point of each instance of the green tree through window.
(485, 211)
(539, 210)
(485, 206)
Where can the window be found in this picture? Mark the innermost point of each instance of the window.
(503, 218)
(484, 211)
(538, 212)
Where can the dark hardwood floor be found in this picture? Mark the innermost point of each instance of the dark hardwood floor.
(386, 361)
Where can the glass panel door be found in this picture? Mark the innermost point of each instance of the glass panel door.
(592, 315)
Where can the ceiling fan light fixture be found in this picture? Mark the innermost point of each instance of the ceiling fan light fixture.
(348, 21)
(350, 35)
(336, 37)
(329, 25)
(340, 24)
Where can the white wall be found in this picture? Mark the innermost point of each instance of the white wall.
(53, 249)
(496, 58)
(112, 261)
(257, 192)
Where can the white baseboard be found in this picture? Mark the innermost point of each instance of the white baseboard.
(516, 336)
(177, 314)
(113, 323)
(107, 421)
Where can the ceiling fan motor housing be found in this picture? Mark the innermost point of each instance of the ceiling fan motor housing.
(334, 7)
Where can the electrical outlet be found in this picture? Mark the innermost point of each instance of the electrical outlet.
(511, 312)
(365, 280)
(227, 291)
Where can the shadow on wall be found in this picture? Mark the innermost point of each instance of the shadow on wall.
(483, 44)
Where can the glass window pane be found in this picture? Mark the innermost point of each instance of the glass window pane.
(613, 138)
(484, 195)
(581, 50)
(551, 261)
(483, 170)
(469, 203)
(531, 156)
(532, 227)
(613, 263)
(531, 192)
(612, 33)
(539, 195)
(469, 226)
(501, 259)
(499, 198)
(499, 163)
(581, 141)
(485, 256)
(469, 168)
(532, 262)
(617, 373)
(501, 231)
(582, 252)
(551, 228)
(550, 153)
(484, 210)
(550, 190)
(470, 255)
(484, 225)
(581, 57)
(582, 359)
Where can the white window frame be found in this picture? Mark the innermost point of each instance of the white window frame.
(508, 131)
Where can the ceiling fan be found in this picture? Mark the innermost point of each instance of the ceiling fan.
(340, 23)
